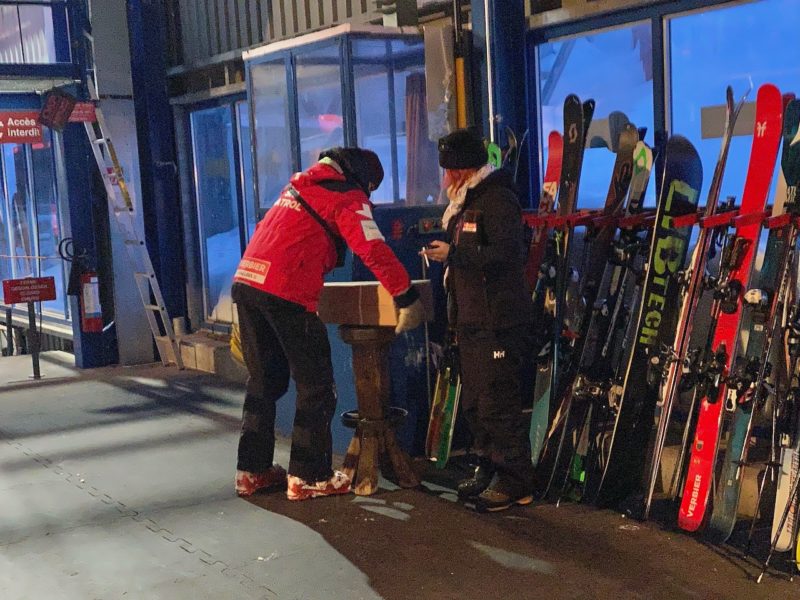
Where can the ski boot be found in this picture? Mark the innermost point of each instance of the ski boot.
(500, 496)
(248, 483)
(299, 489)
(480, 480)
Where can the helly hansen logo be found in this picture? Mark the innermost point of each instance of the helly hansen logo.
(761, 128)
(498, 354)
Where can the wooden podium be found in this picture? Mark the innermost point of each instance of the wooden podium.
(366, 315)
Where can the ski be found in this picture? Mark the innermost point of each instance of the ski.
(552, 174)
(600, 293)
(749, 381)
(735, 268)
(540, 414)
(603, 351)
(788, 409)
(553, 283)
(668, 366)
(655, 322)
(597, 245)
(444, 407)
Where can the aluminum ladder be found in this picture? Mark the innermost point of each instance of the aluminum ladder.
(122, 209)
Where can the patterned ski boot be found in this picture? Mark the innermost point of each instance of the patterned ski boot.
(298, 489)
(248, 483)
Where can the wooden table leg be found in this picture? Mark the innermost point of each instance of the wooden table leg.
(374, 435)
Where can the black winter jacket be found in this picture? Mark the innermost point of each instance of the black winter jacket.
(487, 255)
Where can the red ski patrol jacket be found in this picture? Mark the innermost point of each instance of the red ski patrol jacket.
(290, 252)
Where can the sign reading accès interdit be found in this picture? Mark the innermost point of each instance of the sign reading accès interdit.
(20, 127)
(30, 289)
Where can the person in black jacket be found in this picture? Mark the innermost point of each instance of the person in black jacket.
(491, 309)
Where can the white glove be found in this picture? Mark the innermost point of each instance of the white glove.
(410, 317)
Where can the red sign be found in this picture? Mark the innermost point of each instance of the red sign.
(20, 127)
(30, 289)
(56, 109)
(83, 113)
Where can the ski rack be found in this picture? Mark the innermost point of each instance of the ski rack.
(645, 220)
(132, 237)
(594, 219)
(556, 221)
(729, 218)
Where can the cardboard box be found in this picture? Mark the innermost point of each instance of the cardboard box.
(366, 303)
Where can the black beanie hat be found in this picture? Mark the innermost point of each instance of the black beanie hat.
(362, 166)
(462, 149)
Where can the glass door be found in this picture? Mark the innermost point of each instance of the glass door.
(224, 191)
(30, 222)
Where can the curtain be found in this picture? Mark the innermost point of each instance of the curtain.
(422, 176)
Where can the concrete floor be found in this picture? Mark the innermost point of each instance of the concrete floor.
(117, 483)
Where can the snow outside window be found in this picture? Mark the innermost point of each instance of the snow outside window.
(614, 67)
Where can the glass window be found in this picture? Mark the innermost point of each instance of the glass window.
(216, 177)
(22, 233)
(48, 223)
(246, 168)
(319, 102)
(713, 49)
(373, 127)
(614, 67)
(271, 137)
(26, 34)
(390, 73)
(6, 229)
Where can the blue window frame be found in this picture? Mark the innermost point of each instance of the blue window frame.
(349, 89)
(706, 29)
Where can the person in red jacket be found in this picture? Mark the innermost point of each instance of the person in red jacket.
(276, 289)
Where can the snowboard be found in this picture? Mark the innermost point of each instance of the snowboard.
(655, 322)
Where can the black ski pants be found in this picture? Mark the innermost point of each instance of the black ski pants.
(280, 338)
(491, 400)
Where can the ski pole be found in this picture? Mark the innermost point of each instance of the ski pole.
(770, 471)
(426, 264)
(786, 511)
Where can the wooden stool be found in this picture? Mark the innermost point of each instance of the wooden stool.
(374, 440)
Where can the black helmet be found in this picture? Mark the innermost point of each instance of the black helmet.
(362, 166)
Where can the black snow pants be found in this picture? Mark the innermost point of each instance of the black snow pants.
(491, 367)
(280, 338)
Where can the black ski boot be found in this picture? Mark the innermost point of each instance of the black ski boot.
(480, 480)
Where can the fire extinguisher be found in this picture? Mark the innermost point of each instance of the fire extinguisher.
(84, 283)
(91, 313)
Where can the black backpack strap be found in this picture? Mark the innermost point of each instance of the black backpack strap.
(337, 240)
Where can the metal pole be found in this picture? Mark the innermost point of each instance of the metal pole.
(34, 340)
(489, 70)
(9, 333)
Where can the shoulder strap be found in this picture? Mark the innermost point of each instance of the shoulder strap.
(337, 240)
